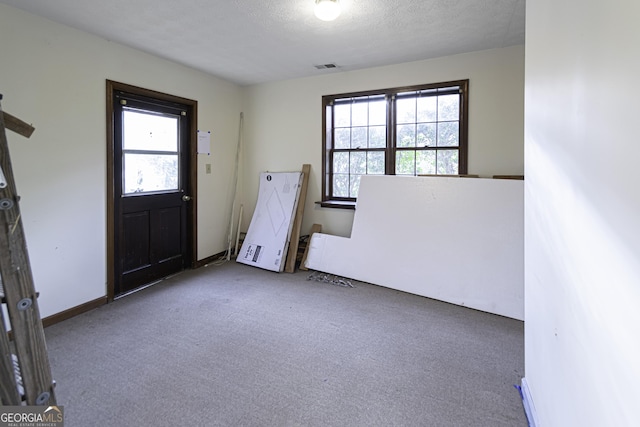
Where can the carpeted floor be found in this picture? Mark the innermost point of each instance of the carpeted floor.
(233, 345)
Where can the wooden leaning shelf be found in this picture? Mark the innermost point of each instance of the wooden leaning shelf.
(25, 372)
(292, 253)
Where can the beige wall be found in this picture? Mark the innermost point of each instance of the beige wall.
(54, 77)
(582, 212)
(283, 120)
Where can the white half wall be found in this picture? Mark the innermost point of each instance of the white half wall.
(54, 77)
(582, 212)
(459, 240)
(284, 129)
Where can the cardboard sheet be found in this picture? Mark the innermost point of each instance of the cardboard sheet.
(267, 240)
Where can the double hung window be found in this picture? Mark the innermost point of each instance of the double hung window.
(419, 130)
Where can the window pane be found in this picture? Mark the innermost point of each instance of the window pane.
(358, 163)
(341, 162)
(406, 136)
(359, 114)
(150, 172)
(426, 135)
(355, 186)
(427, 108)
(377, 113)
(342, 138)
(426, 162)
(405, 162)
(448, 107)
(377, 136)
(375, 162)
(359, 137)
(340, 185)
(143, 131)
(422, 126)
(448, 134)
(406, 110)
(342, 115)
(448, 162)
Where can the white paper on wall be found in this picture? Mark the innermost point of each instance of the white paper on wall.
(204, 142)
(267, 240)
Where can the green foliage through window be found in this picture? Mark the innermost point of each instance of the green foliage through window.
(419, 130)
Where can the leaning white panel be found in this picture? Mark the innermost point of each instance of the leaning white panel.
(267, 239)
(459, 240)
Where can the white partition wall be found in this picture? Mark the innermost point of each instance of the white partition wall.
(458, 240)
(582, 233)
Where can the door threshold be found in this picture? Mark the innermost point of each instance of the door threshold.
(143, 287)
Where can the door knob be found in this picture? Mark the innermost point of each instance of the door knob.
(186, 198)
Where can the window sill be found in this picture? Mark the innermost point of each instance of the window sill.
(337, 204)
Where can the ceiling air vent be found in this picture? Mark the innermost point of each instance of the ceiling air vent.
(325, 66)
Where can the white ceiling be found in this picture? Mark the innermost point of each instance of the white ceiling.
(256, 41)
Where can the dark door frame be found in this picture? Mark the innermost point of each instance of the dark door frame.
(192, 207)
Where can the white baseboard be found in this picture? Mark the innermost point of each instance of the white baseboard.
(529, 408)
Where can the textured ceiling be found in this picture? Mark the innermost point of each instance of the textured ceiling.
(256, 41)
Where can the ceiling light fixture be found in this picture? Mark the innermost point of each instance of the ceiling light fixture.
(327, 10)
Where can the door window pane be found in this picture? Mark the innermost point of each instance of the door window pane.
(150, 152)
(150, 172)
(151, 132)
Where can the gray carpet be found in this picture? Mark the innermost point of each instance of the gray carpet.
(234, 345)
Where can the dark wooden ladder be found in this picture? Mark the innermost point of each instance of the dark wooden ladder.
(25, 377)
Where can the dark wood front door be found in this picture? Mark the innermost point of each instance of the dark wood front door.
(151, 187)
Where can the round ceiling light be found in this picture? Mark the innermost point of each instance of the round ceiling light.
(327, 10)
